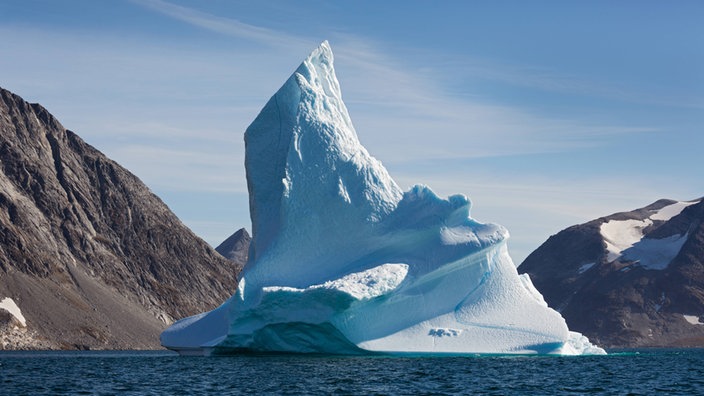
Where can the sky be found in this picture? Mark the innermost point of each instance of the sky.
(546, 114)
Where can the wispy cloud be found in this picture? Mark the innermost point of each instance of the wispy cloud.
(226, 26)
(129, 92)
(177, 121)
(550, 80)
(408, 115)
(385, 95)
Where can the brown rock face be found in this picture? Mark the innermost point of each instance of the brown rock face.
(623, 302)
(90, 255)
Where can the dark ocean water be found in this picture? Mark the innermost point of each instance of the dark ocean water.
(672, 372)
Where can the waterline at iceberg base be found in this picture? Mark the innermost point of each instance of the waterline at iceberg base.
(343, 261)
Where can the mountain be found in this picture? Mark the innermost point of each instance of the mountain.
(236, 247)
(343, 261)
(631, 279)
(89, 256)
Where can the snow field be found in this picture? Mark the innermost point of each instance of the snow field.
(625, 239)
(10, 306)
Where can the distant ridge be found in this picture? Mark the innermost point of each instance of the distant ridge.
(236, 247)
(89, 255)
(631, 279)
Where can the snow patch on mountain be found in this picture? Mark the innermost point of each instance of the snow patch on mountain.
(655, 254)
(671, 211)
(585, 267)
(620, 235)
(693, 319)
(10, 306)
(625, 239)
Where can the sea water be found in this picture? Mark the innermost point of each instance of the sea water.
(673, 372)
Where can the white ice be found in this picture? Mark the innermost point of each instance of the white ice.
(624, 239)
(655, 254)
(671, 211)
(9, 305)
(343, 261)
(692, 319)
(585, 267)
(620, 235)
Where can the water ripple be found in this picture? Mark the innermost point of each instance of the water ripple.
(674, 372)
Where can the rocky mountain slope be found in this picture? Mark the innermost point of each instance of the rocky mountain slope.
(631, 279)
(236, 247)
(89, 255)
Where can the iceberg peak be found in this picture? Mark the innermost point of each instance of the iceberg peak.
(304, 162)
(343, 261)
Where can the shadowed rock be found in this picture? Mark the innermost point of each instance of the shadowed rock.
(90, 255)
(631, 279)
(236, 247)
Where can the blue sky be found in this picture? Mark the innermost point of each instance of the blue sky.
(544, 113)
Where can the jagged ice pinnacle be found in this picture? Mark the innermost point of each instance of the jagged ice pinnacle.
(343, 261)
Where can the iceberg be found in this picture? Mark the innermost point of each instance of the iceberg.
(343, 261)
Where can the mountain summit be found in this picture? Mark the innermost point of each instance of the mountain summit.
(236, 247)
(342, 261)
(630, 279)
(88, 255)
